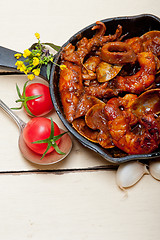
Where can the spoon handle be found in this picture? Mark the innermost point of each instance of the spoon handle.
(21, 124)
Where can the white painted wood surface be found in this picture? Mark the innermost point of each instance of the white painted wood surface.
(74, 199)
(83, 205)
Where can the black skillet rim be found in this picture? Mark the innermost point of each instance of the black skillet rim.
(56, 98)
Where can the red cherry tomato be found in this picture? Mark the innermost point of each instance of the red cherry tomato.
(39, 128)
(41, 105)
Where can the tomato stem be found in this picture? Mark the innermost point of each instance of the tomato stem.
(51, 141)
(23, 99)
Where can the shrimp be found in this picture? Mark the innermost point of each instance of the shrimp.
(132, 134)
(120, 106)
(141, 140)
(138, 82)
(136, 44)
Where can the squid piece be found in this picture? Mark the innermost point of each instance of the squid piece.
(77, 57)
(85, 46)
(118, 53)
(114, 37)
(101, 31)
(70, 87)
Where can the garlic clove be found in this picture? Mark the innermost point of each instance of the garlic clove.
(130, 173)
(154, 169)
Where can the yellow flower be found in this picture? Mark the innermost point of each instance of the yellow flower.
(19, 64)
(18, 55)
(62, 67)
(31, 76)
(26, 53)
(35, 61)
(38, 54)
(37, 35)
(36, 71)
(23, 68)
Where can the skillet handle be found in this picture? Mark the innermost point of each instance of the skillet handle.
(7, 63)
(7, 60)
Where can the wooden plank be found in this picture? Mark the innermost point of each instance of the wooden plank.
(85, 205)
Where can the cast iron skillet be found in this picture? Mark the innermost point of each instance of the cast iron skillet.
(134, 26)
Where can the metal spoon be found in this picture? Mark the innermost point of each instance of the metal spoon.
(51, 158)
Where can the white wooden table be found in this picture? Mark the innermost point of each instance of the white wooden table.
(78, 198)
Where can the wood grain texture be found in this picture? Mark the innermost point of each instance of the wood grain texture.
(77, 199)
(78, 206)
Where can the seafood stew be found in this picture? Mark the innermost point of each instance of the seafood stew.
(95, 94)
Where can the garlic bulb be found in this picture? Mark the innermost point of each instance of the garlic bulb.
(130, 173)
(154, 169)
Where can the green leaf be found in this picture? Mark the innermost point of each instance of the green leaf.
(27, 109)
(20, 100)
(26, 60)
(59, 136)
(42, 141)
(48, 147)
(18, 91)
(17, 108)
(48, 70)
(32, 97)
(24, 89)
(55, 47)
(57, 149)
(52, 129)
